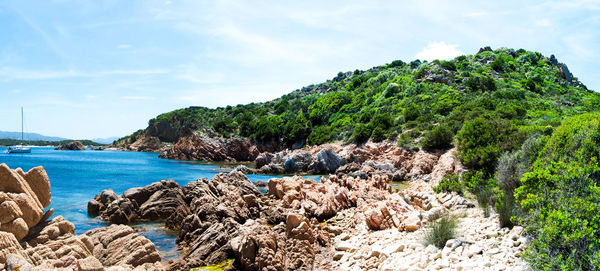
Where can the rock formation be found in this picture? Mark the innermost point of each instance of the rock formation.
(23, 197)
(28, 241)
(203, 148)
(156, 201)
(71, 146)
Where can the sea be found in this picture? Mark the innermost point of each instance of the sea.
(77, 176)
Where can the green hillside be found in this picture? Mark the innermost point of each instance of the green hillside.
(519, 90)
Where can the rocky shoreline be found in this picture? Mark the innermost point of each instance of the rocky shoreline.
(349, 220)
(29, 241)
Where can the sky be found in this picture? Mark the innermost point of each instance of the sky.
(102, 68)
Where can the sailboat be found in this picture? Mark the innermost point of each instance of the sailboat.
(19, 148)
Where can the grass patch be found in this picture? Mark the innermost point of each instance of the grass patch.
(217, 267)
(441, 231)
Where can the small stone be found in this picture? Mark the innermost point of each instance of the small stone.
(345, 246)
(430, 249)
(493, 251)
(338, 255)
(393, 248)
(89, 264)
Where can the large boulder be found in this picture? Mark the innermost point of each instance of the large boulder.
(120, 245)
(320, 200)
(328, 161)
(23, 197)
(156, 201)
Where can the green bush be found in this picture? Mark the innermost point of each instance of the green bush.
(498, 64)
(563, 205)
(441, 231)
(481, 141)
(440, 137)
(507, 208)
(561, 198)
(450, 183)
(319, 135)
(411, 112)
(361, 133)
(448, 65)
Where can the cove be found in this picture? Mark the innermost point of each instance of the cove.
(77, 176)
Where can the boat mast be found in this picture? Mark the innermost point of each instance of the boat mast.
(21, 125)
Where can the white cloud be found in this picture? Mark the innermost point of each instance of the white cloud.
(124, 46)
(544, 22)
(438, 50)
(191, 73)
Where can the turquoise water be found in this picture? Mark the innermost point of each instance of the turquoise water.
(76, 176)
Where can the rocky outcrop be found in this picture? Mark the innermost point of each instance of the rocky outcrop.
(23, 197)
(361, 161)
(217, 209)
(293, 247)
(71, 146)
(119, 245)
(203, 148)
(28, 241)
(320, 200)
(156, 201)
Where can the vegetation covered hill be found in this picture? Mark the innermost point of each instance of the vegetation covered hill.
(515, 92)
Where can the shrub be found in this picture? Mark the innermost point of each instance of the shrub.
(319, 135)
(498, 64)
(512, 165)
(472, 83)
(450, 183)
(561, 198)
(361, 133)
(506, 208)
(378, 134)
(411, 112)
(563, 203)
(439, 137)
(441, 231)
(481, 141)
(484, 194)
(448, 65)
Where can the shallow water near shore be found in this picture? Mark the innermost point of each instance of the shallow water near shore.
(77, 176)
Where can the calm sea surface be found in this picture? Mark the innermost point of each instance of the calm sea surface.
(76, 176)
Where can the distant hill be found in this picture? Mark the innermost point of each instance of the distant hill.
(107, 140)
(30, 136)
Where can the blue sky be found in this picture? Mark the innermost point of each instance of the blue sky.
(86, 69)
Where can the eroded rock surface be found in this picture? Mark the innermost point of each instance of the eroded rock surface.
(204, 148)
(28, 241)
(156, 201)
(23, 197)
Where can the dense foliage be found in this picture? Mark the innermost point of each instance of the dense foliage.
(504, 94)
(562, 198)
